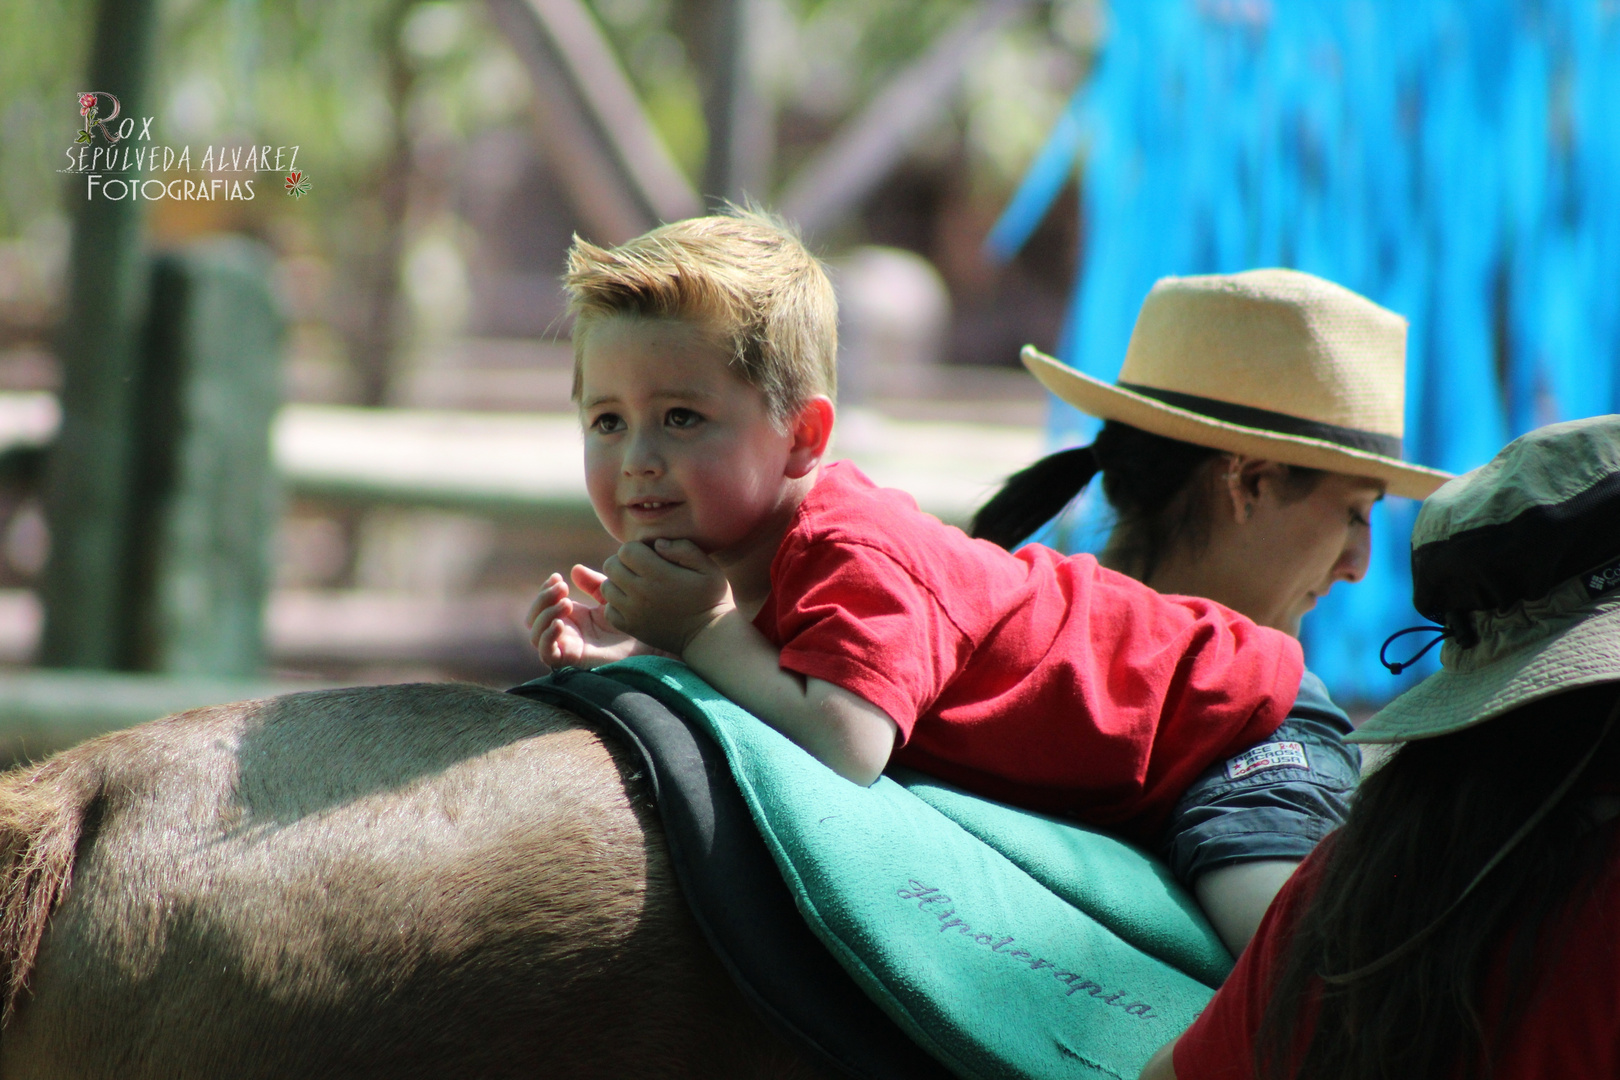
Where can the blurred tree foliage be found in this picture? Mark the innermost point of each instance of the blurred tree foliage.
(42, 56)
(43, 49)
(374, 91)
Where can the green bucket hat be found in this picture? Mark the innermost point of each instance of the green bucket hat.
(1519, 564)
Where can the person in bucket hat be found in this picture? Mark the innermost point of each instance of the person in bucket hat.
(1257, 418)
(1518, 564)
(1464, 922)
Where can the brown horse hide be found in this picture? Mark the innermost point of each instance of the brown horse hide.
(430, 880)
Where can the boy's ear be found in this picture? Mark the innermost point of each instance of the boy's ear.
(812, 429)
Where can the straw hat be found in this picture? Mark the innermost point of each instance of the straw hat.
(1520, 562)
(1273, 364)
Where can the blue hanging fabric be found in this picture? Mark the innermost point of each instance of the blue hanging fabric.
(1457, 161)
(1041, 184)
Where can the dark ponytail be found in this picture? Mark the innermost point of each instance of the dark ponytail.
(1031, 497)
(1147, 478)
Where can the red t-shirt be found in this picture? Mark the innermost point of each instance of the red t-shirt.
(1031, 677)
(1571, 1027)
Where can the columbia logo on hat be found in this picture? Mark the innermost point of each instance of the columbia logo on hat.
(1604, 579)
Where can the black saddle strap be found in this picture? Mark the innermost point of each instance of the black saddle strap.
(734, 889)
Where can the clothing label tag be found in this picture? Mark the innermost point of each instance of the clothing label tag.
(1271, 755)
(1602, 579)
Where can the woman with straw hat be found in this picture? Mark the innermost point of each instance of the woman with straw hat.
(1463, 922)
(1257, 418)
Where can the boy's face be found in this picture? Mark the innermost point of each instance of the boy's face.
(676, 445)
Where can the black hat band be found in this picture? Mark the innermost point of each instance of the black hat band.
(1496, 566)
(1247, 416)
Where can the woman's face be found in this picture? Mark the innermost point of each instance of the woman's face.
(1305, 546)
(1272, 552)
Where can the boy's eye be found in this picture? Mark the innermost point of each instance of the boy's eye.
(682, 418)
(606, 423)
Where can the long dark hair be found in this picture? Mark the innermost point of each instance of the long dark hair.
(1420, 830)
(1148, 479)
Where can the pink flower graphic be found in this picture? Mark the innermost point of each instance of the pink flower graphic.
(297, 185)
(90, 109)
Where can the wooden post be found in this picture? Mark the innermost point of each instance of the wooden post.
(87, 490)
(206, 500)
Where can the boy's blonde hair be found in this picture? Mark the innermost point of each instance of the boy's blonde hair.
(744, 276)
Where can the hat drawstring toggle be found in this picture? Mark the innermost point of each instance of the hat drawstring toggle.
(1441, 633)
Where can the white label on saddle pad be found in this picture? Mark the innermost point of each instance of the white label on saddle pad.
(1271, 755)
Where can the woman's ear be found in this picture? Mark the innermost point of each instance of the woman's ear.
(811, 430)
(1235, 497)
(1245, 482)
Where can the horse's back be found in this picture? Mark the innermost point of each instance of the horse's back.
(389, 881)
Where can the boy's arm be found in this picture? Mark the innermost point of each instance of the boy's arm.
(846, 732)
(677, 599)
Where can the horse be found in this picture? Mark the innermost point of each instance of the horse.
(421, 880)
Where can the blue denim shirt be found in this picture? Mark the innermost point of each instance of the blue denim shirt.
(1273, 801)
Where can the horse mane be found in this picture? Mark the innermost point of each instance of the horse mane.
(43, 812)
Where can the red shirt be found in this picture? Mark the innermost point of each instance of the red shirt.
(1031, 677)
(1571, 1027)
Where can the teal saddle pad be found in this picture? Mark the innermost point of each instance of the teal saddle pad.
(1007, 943)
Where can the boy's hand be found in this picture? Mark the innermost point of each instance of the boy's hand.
(574, 633)
(664, 594)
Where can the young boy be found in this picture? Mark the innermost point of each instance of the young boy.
(836, 611)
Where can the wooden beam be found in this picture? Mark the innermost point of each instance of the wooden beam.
(528, 465)
(42, 712)
(617, 170)
(870, 144)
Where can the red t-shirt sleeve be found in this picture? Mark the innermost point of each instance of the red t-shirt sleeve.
(858, 619)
